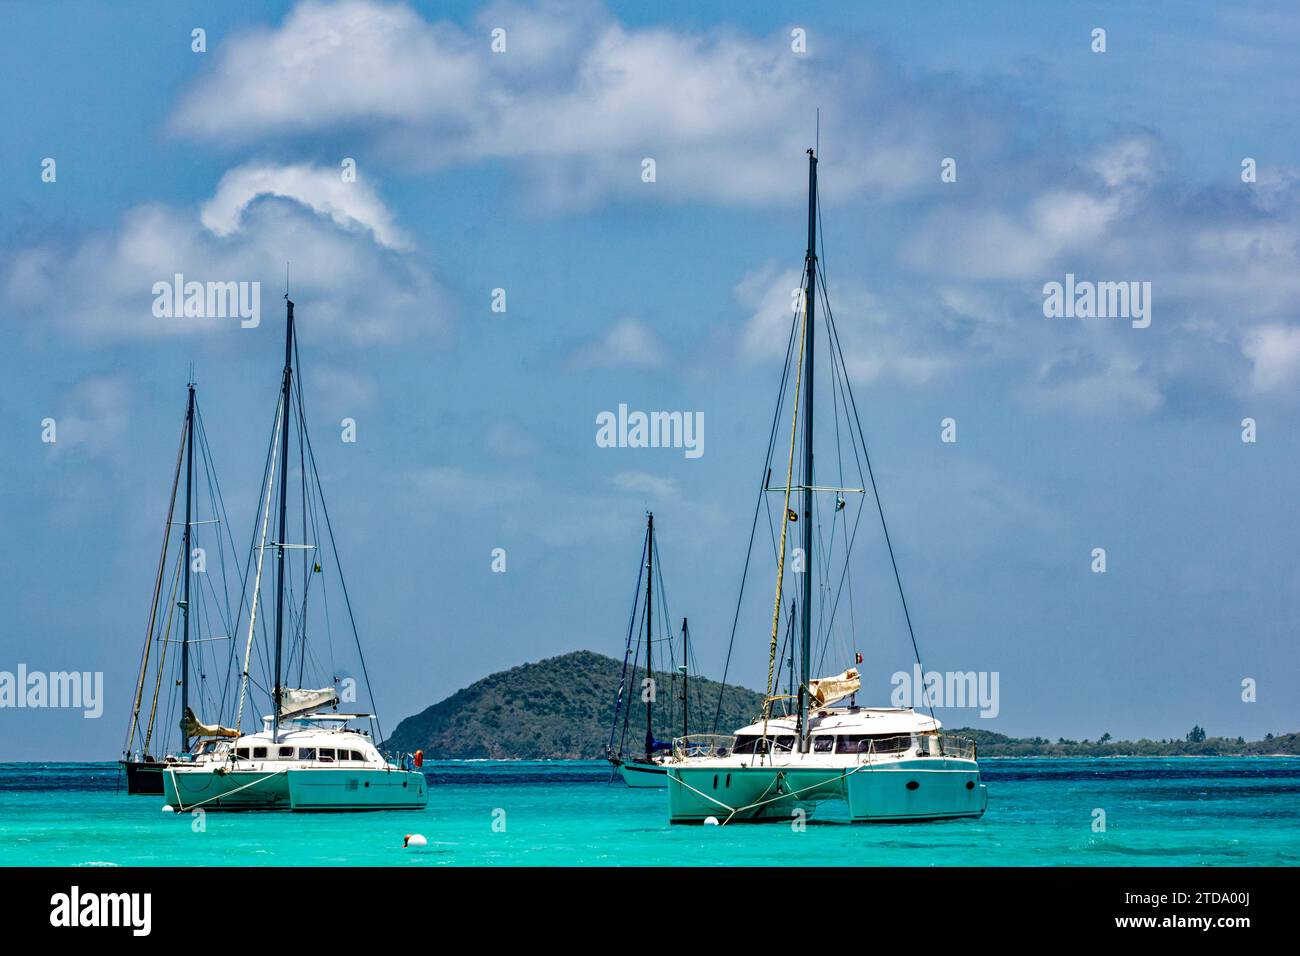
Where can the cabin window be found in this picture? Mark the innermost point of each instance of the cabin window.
(851, 744)
(751, 744)
(241, 752)
(783, 744)
(259, 753)
(327, 753)
(356, 755)
(286, 753)
(307, 753)
(823, 744)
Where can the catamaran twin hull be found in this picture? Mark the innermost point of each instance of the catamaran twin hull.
(322, 788)
(894, 790)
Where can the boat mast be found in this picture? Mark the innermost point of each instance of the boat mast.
(810, 286)
(649, 610)
(185, 601)
(686, 679)
(285, 389)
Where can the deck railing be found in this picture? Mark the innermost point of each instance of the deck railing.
(903, 745)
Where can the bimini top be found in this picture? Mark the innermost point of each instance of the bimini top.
(852, 720)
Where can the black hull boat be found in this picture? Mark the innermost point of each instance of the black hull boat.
(144, 777)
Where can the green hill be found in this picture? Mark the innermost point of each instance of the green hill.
(559, 708)
(1195, 744)
(562, 707)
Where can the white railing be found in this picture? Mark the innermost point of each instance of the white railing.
(902, 745)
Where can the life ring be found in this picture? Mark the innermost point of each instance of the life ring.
(419, 759)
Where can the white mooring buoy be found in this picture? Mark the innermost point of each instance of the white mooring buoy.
(414, 839)
(710, 821)
(168, 808)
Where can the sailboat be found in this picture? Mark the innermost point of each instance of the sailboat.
(884, 763)
(646, 766)
(180, 584)
(307, 755)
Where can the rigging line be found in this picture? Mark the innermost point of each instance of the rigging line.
(338, 565)
(244, 594)
(785, 524)
(134, 723)
(884, 527)
(215, 502)
(753, 527)
(851, 536)
(636, 663)
(627, 647)
(281, 412)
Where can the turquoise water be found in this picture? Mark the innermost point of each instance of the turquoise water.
(1171, 812)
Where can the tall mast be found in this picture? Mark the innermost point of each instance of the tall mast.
(686, 679)
(649, 611)
(285, 389)
(185, 605)
(810, 285)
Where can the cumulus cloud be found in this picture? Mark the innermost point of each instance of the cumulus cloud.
(348, 204)
(579, 100)
(876, 344)
(345, 281)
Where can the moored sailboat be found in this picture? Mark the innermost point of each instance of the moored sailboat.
(885, 764)
(182, 583)
(307, 755)
(646, 766)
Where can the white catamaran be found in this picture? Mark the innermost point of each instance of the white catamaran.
(306, 756)
(886, 764)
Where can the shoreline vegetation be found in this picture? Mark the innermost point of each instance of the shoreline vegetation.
(562, 708)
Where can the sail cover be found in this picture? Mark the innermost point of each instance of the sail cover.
(193, 728)
(827, 690)
(295, 700)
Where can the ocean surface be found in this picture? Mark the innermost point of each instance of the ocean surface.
(1171, 811)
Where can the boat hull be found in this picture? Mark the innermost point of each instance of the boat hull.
(640, 774)
(295, 789)
(924, 788)
(143, 778)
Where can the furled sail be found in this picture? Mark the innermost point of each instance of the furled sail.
(295, 700)
(194, 728)
(825, 691)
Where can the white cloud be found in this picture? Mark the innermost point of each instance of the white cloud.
(627, 343)
(580, 99)
(876, 346)
(647, 485)
(1274, 354)
(345, 283)
(348, 204)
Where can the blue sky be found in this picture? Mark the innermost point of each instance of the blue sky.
(521, 171)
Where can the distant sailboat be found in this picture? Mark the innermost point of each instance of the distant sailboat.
(150, 746)
(306, 756)
(645, 766)
(886, 764)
